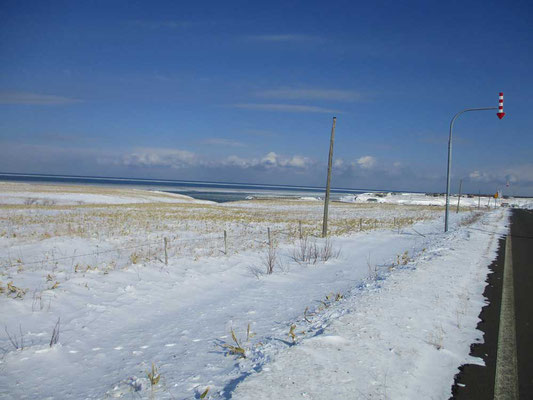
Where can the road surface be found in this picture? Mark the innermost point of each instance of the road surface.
(477, 382)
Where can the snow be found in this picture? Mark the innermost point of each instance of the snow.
(310, 198)
(404, 338)
(433, 200)
(400, 301)
(28, 194)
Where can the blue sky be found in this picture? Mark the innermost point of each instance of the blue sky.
(246, 91)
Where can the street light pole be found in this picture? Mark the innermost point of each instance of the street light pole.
(450, 158)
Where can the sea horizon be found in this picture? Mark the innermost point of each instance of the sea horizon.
(203, 190)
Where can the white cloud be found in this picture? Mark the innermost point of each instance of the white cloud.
(518, 173)
(366, 162)
(274, 160)
(338, 163)
(474, 175)
(285, 108)
(311, 94)
(34, 99)
(271, 159)
(154, 157)
(298, 162)
(175, 158)
(237, 162)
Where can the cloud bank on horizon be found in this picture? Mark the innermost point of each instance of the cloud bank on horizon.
(271, 168)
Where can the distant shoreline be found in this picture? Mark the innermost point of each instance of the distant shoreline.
(213, 191)
(171, 182)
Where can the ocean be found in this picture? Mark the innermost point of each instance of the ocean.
(214, 191)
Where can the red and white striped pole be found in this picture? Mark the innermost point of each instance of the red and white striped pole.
(500, 113)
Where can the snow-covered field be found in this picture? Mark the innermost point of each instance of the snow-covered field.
(436, 200)
(48, 195)
(387, 308)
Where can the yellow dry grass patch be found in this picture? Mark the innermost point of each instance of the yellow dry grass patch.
(122, 220)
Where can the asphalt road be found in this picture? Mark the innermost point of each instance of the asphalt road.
(476, 382)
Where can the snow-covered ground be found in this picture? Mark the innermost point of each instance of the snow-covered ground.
(402, 337)
(391, 313)
(436, 200)
(32, 194)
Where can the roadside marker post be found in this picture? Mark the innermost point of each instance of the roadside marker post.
(500, 112)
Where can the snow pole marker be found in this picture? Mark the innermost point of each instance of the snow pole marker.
(500, 112)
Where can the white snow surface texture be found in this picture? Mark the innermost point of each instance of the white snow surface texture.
(397, 330)
(401, 338)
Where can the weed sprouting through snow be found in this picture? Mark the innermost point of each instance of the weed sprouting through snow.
(55, 333)
(237, 349)
(308, 251)
(204, 393)
(249, 333)
(270, 260)
(14, 291)
(16, 341)
(135, 258)
(372, 270)
(292, 334)
(153, 375)
(307, 315)
(405, 258)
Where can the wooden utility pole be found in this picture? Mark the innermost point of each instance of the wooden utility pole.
(328, 183)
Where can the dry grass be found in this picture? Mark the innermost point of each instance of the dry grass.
(153, 375)
(138, 223)
(237, 349)
(135, 232)
(55, 333)
(472, 218)
(310, 250)
(110, 220)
